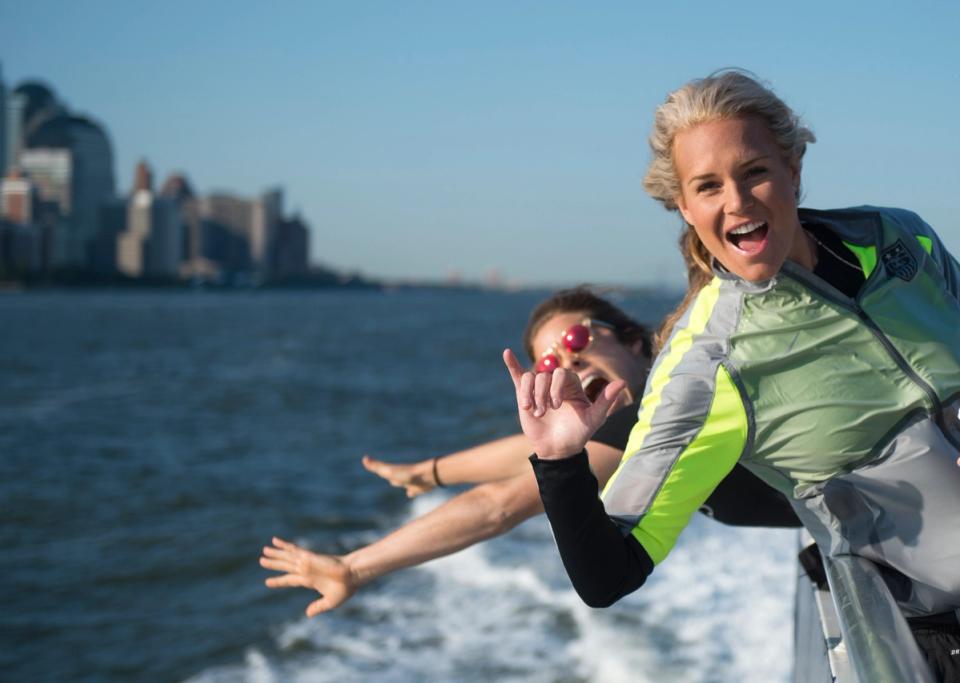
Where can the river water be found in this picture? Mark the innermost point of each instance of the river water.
(152, 442)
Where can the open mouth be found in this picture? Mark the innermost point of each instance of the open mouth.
(750, 237)
(594, 386)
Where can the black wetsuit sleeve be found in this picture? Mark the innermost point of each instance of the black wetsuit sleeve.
(743, 499)
(602, 563)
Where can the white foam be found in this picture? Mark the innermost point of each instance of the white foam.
(719, 609)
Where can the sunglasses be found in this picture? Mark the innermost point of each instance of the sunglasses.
(575, 339)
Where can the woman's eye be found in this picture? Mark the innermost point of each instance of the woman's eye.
(707, 186)
(756, 170)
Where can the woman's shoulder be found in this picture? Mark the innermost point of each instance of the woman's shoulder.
(867, 214)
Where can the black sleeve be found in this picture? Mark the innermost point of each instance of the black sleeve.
(740, 499)
(602, 563)
(743, 499)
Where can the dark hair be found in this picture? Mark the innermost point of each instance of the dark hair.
(583, 300)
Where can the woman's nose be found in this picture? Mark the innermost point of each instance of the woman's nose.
(738, 197)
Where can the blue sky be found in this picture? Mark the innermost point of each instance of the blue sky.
(421, 139)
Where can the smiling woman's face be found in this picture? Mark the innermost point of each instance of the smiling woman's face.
(606, 359)
(739, 195)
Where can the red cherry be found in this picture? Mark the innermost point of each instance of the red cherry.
(576, 338)
(548, 363)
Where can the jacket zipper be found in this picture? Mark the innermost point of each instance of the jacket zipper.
(854, 305)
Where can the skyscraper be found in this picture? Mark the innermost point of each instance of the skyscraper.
(3, 125)
(70, 159)
(228, 224)
(21, 236)
(17, 198)
(151, 244)
(267, 214)
(291, 248)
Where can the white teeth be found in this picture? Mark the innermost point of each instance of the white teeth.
(744, 229)
(591, 379)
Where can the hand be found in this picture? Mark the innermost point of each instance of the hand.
(416, 478)
(329, 575)
(555, 413)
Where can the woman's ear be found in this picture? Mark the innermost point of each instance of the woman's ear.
(638, 349)
(794, 167)
(682, 207)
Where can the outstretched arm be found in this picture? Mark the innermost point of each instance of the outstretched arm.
(507, 457)
(498, 459)
(483, 512)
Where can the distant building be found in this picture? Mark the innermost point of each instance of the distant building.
(4, 165)
(15, 104)
(291, 248)
(60, 202)
(193, 262)
(102, 252)
(151, 243)
(21, 237)
(267, 214)
(21, 249)
(18, 198)
(227, 225)
(51, 172)
(69, 158)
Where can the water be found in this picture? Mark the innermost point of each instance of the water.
(152, 442)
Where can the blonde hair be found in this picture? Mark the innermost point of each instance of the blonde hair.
(725, 94)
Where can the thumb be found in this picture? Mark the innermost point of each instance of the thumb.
(600, 407)
(317, 607)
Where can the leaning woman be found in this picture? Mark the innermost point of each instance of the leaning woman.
(820, 349)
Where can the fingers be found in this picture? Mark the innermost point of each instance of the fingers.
(542, 382)
(533, 390)
(538, 392)
(286, 581)
(282, 558)
(557, 387)
(278, 565)
(286, 545)
(371, 464)
(525, 388)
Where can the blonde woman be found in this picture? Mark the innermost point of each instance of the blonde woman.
(820, 349)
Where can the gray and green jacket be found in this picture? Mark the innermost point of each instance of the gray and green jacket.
(848, 406)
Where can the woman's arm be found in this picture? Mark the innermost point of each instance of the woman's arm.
(602, 562)
(499, 459)
(476, 515)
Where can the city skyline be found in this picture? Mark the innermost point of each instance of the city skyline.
(452, 138)
(62, 220)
